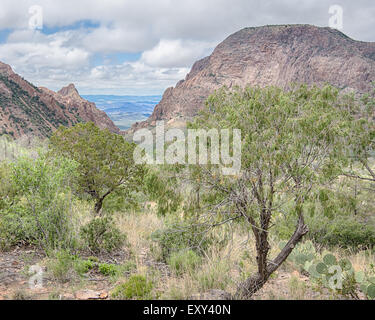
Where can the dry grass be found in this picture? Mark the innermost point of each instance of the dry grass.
(222, 267)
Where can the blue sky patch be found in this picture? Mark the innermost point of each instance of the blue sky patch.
(83, 24)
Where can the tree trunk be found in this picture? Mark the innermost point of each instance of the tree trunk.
(99, 202)
(256, 282)
(98, 206)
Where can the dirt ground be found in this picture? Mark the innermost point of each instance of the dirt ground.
(16, 282)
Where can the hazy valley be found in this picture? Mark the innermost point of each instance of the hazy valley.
(125, 110)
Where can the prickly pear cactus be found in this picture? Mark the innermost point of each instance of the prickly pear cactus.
(367, 285)
(330, 259)
(303, 255)
(371, 291)
(345, 264)
(336, 275)
(322, 268)
(339, 276)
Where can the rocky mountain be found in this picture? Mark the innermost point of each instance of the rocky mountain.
(87, 111)
(26, 109)
(271, 55)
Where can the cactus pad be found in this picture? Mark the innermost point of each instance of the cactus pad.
(371, 291)
(329, 259)
(321, 268)
(345, 264)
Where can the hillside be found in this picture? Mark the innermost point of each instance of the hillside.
(26, 109)
(271, 55)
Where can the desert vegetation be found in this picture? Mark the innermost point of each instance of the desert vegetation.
(297, 222)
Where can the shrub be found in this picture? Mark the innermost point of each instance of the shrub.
(83, 266)
(61, 265)
(101, 234)
(114, 270)
(7, 189)
(180, 236)
(93, 259)
(108, 269)
(184, 261)
(39, 211)
(343, 231)
(136, 287)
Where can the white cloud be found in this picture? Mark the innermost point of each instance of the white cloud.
(33, 51)
(117, 39)
(170, 35)
(136, 77)
(176, 53)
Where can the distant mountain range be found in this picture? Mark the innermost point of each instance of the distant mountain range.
(125, 110)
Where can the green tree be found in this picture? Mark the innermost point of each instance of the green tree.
(105, 161)
(292, 142)
(361, 141)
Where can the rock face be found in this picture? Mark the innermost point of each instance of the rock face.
(28, 110)
(271, 55)
(87, 111)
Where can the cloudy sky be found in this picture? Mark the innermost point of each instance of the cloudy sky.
(143, 46)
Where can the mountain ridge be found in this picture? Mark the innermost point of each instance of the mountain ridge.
(28, 110)
(271, 55)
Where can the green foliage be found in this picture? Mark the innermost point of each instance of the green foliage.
(336, 275)
(302, 255)
(339, 276)
(293, 143)
(162, 189)
(184, 261)
(38, 210)
(115, 270)
(136, 287)
(64, 266)
(105, 161)
(343, 231)
(108, 269)
(367, 285)
(370, 291)
(83, 266)
(101, 235)
(93, 259)
(321, 268)
(291, 122)
(117, 202)
(7, 188)
(182, 235)
(60, 265)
